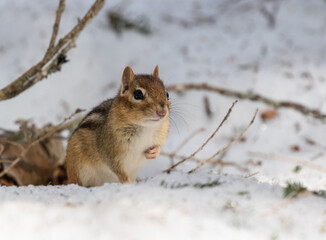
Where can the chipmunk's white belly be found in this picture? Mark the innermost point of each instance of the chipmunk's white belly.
(97, 175)
(135, 156)
(133, 159)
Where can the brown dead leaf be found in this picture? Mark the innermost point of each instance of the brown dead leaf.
(268, 115)
(310, 141)
(295, 148)
(38, 164)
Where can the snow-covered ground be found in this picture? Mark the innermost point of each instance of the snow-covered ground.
(230, 44)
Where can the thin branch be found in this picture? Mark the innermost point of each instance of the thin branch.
(179, 156)
(252, 97)
(226, 147)
(184, 142)
(217, 162)
(251, 174)
(181, 145)
(55, 55)
(286, 202)
(224, 163)
(291, 160)
(56, 25)
(2, 148)
(205, 143)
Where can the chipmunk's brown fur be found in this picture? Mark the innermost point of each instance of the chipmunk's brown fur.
(116, 137)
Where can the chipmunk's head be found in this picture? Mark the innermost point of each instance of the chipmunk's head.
(144, 97)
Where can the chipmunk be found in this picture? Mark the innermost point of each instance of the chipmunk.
(115, 138)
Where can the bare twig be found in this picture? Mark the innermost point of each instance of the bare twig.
(179, 156)
(208, 109)
(226, 147)
(56, 25)
(251, 174)
(286, 202)
(2, 148)
(218, 162)
(43, 136)
(187, 140)
(69, 124)
(220, 158)
(250, 96)
(55, 55)
(183, 143)
(225, 163)
(205, 143)
(291, 160)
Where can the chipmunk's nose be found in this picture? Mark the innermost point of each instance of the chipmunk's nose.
(161, 113)
(161, 110)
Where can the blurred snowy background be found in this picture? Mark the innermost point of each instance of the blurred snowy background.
(272, 47)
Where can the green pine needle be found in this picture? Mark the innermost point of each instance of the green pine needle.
(293, 189)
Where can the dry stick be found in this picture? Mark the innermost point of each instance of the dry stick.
(68, 124)
(251, 174)
(292, 160)
(41, 138)
(9, 91)
(286, 202)
(219, 162)
(223, 163)
(205, 143)
(179, 156)
(185, 141)
(220, 158)
(2, 148)
(250, 96)
(227, 146)
(56, 25)
(55, 65)
(52, 55)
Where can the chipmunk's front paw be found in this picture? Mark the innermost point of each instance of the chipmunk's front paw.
(128, 181)
(152, 152)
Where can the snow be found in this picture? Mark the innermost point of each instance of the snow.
(224, 43)
(148, 210)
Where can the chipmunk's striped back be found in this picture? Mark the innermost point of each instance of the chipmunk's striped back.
(96, 117)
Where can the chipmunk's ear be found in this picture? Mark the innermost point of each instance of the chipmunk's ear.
(155, 73)
(127, 77)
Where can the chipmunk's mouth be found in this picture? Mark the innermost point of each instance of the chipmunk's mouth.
(158, 116)
(155, 119)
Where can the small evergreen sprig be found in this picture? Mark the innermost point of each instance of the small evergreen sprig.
(293, 189)
(214, 183)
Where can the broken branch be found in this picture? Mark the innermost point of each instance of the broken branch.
(291, 160)
(227, 146)
(205, 143)
(55, 55)
(250, 96)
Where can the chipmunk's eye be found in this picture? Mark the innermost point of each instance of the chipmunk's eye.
(167, 95)
(138, 95)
